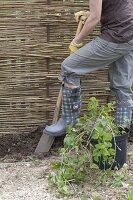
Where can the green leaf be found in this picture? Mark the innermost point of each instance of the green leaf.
(130, 195)
(56, 165)
(68, 140)
(108, 136)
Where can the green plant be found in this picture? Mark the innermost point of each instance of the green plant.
(76, 160)
(130, 195)
(114, 178)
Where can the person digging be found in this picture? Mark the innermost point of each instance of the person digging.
(113, 48)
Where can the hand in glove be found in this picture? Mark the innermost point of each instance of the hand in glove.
(78, 15)
(74, 47)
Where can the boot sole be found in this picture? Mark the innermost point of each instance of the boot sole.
(55, 134)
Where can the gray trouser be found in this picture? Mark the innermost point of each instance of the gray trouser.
(96, 55)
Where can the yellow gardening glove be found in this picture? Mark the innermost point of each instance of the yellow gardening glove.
(81, 13)
(74, 47)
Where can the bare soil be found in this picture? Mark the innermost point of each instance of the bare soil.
(23, 176)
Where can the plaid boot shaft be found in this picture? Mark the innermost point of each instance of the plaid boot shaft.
(123, 116)
(71, 104)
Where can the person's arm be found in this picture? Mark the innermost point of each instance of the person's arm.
(91, 22)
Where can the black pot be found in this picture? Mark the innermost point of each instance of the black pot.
(120, 156)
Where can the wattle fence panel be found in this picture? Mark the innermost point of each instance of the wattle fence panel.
(34, 40)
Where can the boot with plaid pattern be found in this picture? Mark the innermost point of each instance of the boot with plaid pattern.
(123, 117)
(71, 107)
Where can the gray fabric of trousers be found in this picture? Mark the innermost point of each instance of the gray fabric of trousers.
(96, 55)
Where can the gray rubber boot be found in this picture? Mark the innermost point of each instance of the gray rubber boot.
(71, 107)
(123, 117)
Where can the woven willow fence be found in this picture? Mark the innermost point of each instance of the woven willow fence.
(34, 39)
